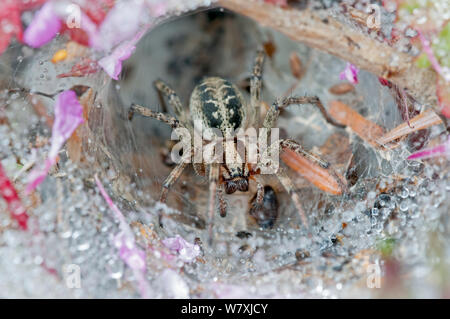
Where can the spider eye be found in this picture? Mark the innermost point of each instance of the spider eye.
(243, 185)
(230, 187)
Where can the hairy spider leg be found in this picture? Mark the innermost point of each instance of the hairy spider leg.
(255, 87)
(222, 201)
(174, 101)
(297, 148)
(274, 111)
(134, 108)
(213, 181)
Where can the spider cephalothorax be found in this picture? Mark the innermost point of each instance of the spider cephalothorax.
(235, 177)
(217, 104)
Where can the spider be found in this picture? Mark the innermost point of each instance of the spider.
(218, 104)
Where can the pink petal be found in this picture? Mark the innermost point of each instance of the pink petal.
(350, 73)
(88, 26)
(68, 115)
(122, 23)
(112, 64)
(123, 224)
(129, 252)
(38, 175)
(434, 62)
(43, 28)
(440, 150)
(9, 194)
(158, 9)
(185, 250)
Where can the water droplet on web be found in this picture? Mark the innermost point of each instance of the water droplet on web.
(404, 206)
(404, 192)
(374, 212)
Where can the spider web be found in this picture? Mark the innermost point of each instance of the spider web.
(390, 198)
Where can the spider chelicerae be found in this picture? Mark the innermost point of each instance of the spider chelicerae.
(218, 104)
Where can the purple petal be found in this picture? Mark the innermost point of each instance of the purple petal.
(68, 115)
(129, 252)
(440, 150)
(158, 9)
(112, 64)
(88, 26)
(122, 23)
(43, 28)
(38, 175)
(442, 71)
(350, 73)
(186, 251)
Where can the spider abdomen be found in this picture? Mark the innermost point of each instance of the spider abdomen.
(217, 103)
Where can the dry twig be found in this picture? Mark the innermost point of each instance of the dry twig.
(330, 35)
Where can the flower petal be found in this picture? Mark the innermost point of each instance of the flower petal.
(129, 252)
(68, 115)
(186, 251)
(43, 28)
(350, 73)
(122, 22)
(112, 64)
(440, 150)
(9, 194)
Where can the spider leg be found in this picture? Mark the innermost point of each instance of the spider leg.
(255, 86)
(284, 180)
(222, 201)
(174, 101)
(259, 187)
(199, 169)
(156, 115)
(259, 194)
(289, 187)
(170, 180)
(162, 101)
(274, 111)
(296, 147)
(213, 181)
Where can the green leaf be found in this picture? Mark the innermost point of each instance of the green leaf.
(409, 6)
(442, 47)
(423, 62)
(386, 246)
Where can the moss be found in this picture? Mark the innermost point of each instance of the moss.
(410, 6)
(423, 61)
(386, 246)
(442, 47)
